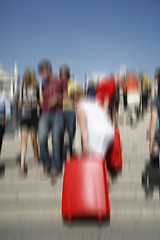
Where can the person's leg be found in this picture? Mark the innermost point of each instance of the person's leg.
(130, 111)
(125, 100)
(2, 165)
(112, 109)
(24, 138)
(133, 103)
(34, 144)
(139, 108)
(117, 111)
(70, 119)
(57, 128)
(83, 125)
(43, 131)
(2, 129)
(154, 160)
(116, 117)
(143, 104)
(62, 142)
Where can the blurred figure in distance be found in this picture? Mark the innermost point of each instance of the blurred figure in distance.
(132, 89)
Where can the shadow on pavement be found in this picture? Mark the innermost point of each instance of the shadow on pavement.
(114, 175)
(2, 170)
(86, 222)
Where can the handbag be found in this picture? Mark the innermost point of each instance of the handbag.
(114, 154)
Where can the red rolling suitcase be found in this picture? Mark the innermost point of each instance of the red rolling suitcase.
(114, 155)
(85, 188)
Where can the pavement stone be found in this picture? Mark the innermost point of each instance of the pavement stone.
(31, 208)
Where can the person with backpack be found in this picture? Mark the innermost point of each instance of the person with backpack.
(29, 103)
(154, 132)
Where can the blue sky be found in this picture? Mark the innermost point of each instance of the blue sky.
(89, 35)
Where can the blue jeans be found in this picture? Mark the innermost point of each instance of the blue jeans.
(51, 121)
(69, 121)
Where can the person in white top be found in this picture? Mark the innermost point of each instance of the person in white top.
(96, 128)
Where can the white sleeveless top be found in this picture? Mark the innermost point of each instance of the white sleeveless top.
(100, 129)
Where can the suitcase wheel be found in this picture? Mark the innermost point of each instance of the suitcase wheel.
(69, 218)
(99, 218)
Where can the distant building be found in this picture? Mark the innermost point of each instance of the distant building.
(10, 82)
(10, 86)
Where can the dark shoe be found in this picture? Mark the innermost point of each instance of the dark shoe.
(155, 162)
(25, 170)
(54, 174)
(2, 169)
(45, 174)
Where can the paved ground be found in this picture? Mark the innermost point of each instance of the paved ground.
(31, 208)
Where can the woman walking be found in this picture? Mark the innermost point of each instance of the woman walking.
(29, 102)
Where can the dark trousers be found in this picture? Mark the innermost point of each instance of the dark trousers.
(52, 121)
(125, 100)
(2, 129)
(144, 102)
(69, 121)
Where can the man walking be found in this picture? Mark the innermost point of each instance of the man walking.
(51, 119)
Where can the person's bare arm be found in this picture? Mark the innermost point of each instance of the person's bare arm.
(20, 100)
(41, 99)
(152, 129)
(5, 120)
(106, 105)
(153, 92)
(83, 126)
(57, 98)
(106, 108)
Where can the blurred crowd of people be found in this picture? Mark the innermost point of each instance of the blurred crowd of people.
(55, 106)
(136, 91)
